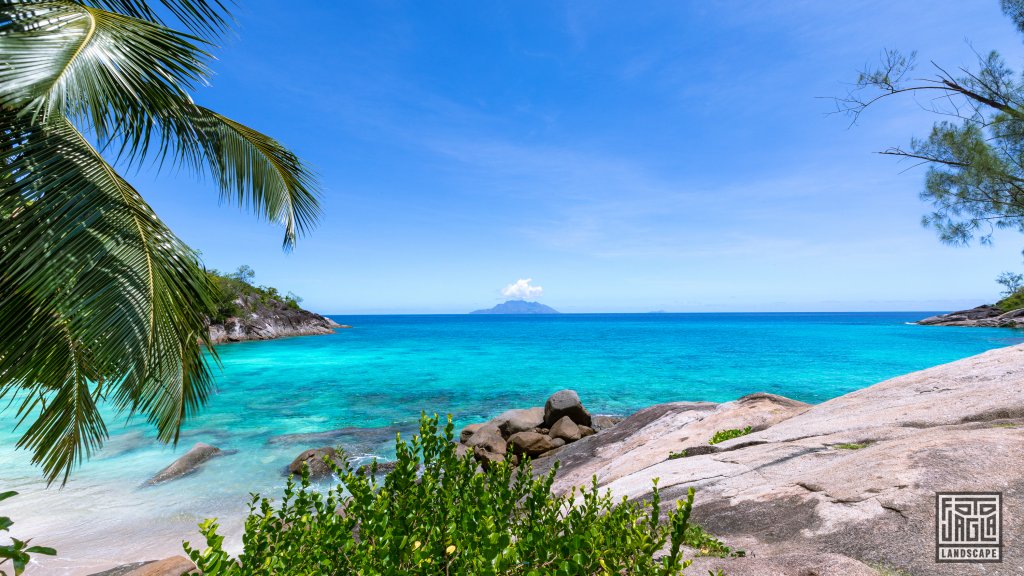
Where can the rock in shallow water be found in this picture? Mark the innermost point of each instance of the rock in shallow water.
(187, 464)
(314, 459)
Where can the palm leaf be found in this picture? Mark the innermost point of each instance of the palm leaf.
(118, 76)
(100, 300)
(255, 171)
(127, 81)
(88, 267)
(201, 17)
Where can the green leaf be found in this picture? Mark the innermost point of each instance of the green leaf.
(102, 299)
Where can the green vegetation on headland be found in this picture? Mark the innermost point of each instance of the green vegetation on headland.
(1013, 291)
(1012, 302)
(436, 512)
(236, 290)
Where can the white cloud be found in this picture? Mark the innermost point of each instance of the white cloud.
(522, 290)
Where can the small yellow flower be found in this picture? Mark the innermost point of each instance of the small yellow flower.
(450, 549)
(416, 545)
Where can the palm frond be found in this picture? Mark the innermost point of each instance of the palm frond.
(256, 172)
(116, 75)
(127, 81)
(204, 18)
(80, 250)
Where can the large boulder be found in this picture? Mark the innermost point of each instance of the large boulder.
(530, 444)
(489, 438)
(514, 421)
(468, 432)
(565, 403)
(486, 458)
(566, 429)
(314, 459)
(187, 464)
(856, 476)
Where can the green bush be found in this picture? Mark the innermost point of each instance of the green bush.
(436, 513)
(723, 435)
(1012, 302)
(18, 551)
(237, 287)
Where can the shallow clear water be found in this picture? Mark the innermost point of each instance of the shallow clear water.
(376, 378)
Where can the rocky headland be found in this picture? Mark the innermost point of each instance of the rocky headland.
(988, 315)
(266, 319)
(846, 487)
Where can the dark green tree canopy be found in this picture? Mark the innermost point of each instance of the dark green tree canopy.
(975, 155)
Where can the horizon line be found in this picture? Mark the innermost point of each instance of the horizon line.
(653, 312)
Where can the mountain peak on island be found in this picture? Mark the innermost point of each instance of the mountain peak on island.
(518, 307)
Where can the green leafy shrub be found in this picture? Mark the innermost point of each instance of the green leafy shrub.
(237, 287)
(1012, 302)
(436, 513)
(677, 455)
(18, 552)
(705, 544)
(723, 435)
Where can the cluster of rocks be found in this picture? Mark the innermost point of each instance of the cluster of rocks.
(532, 432)
(988, 316)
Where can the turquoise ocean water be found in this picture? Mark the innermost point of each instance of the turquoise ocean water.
(370, 381)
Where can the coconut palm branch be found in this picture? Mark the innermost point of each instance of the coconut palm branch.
(101, 302)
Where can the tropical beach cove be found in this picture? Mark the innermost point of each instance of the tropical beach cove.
(279, 397)
(511, 288)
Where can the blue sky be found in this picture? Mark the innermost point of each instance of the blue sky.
(625, 156)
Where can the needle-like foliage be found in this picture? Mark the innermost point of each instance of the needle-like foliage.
(975, 152)
(99, 300)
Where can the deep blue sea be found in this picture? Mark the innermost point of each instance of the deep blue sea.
(376, 378)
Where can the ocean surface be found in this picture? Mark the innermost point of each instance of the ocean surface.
(373, 380)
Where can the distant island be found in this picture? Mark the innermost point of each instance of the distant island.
(518, 307)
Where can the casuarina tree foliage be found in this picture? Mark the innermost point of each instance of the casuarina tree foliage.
(975, 153)
(99, 300)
